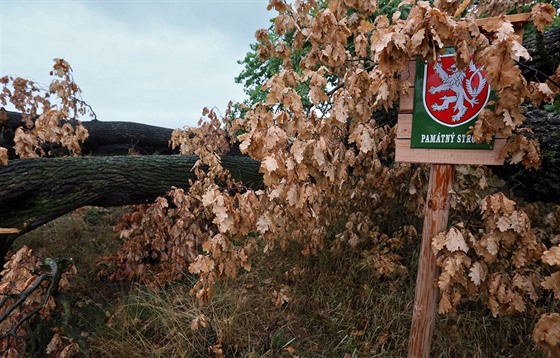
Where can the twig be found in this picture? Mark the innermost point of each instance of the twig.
(342, 84)
(54, 276)
(537, 71)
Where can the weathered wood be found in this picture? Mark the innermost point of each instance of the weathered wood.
(436, 214)
(36, 191)
(449, 156)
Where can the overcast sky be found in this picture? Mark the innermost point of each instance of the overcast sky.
(154, 62)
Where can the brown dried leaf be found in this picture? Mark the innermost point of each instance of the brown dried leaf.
(201, 264)
(200, 321)
(270, 164)
(439, 241)
(281, 296)
(541, 92)
(3, 156)
(552, 256)
(542, 15)
(552, 283)
(546, 334)
(478, 273)
(456, 241)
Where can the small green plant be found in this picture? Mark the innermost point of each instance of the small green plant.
(555, 107)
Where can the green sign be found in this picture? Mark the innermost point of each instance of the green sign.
(447, 102)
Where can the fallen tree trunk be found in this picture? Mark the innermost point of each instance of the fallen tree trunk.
(105, 138)
(36, 191)
(541, 184)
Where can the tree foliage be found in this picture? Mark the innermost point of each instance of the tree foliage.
(324, 169)
(44, 110)
(328, 161)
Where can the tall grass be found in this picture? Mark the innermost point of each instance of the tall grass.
(336, 308)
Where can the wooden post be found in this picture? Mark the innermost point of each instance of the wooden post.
(436, 214)
(437, 203)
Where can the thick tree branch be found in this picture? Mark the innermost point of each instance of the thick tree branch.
(105, 138)
(537, 72)
(36, 191)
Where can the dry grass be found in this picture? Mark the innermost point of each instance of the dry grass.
(83, 235)
(336, 307)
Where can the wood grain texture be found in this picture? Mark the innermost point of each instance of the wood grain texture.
(405, 154)
(436, 215)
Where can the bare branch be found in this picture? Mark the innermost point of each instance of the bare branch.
(56, 268)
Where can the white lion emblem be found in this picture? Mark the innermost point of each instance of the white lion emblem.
(453, 81)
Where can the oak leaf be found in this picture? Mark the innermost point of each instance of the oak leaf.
(552, 283)
(361, 136)
(503, 223)
(455, 241)
(518, 303)
(281, 296)
(542, 15)
(3, 156)
(552, 256)
(297, 150)
(199, 322)
(546, 334)
(54, 344)
(525, 284)
(201, 264)
(270, 164)
(519, 221)
(444, 303)
(478, 273)
(439, 241)
(263, 223)
(541, 92)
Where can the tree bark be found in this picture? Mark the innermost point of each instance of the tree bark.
(543, 183)
(122, 138)
(36, 191)
(545, 55)
(105, 138)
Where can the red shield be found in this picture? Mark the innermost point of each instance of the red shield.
(453, 97)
